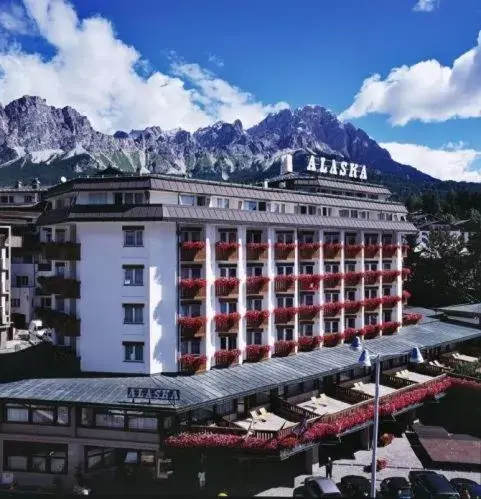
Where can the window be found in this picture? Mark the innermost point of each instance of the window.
(254, 303)
(190, 309)
(228, 271)
(331, 326)
(344, 213)
(191, 235)
(190, 347)
(370, 265)
(133, 275)
(228, 236)
(387, 315)
(370, 239)
(285, 237)
(133, 351)
(306, 329)
(386, 291)
(350, 294)
(28, 199)
(254, 236)
(306, 209)
(133, 198)
(46, 415)
(350, 266)
(47, 235)
(331, 268)
(307, 268)
(306, 237)
(228, 342)
(285, 301)
(141, 422)
(22, 281)
(35, 457)
(60, 269)
(370, 293)
(60, 203)
(186, 200)
(387, 239)
(285, 269)
(386, 265)
(254, 337)
(325, 212)
(45, 302)
(278, 208)
(15, 302)
(97, 198)
(191, 272)
(370, 319)
(60, 304)
(364, 215)
(354, 214)
(331, 296)
(133, 236)
(350, 321)
(254, 270)
(285, 333)
(222, 203)
(249, 205)
(307, 299)
(228, 307)
(350, 238)
(332, 238)
(60, 235)
(133, 313)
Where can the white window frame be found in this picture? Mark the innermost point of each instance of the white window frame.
(331, 296)
(228, 342)
(191, 272)
(254, 270)
(306, 299)
(191, 309)
(192, 347)
(285, 269)
(255, 337)
(254, 304)
(134, 311)
(285, 301)
(228, 271)
(285, 237)
(228, 307)
(370, 292)
(136, 353)
(332, 268)
(134, 237)
(331, 326)
(371, 266)
(186, 199)
(306, 329)
(371, 319)
(284, 333)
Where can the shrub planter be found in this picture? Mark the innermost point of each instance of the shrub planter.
(192, 288)
(192, 326)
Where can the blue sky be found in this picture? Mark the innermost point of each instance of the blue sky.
(187, 64)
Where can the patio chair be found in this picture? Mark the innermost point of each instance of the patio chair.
(254, 415)
(314, 400)
(322, 396)
(263, 412)
(398, 374)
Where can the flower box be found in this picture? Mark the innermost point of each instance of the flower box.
(352, 250)
(256, 353)
(405, 273)
(226, 322)
(224, 358)
(371, 303)
(308, 251)
(256, 284)
(332, 308)
(406, 295)
(332, 339)
(308, 343)
(192, 363)
(352, 306)
(284, 251)
(283, 348)
(192, 288)
(371, 331)
(390, 275)
(332, 280)
(390, 327)
(226, 250)
(192, 326)
(332, 250)
(309, 282)
(284, 283)
(226, 286)
(308, 312)
(255, 318)
(353, 278)
(389, 250)
(284, 315)
(192, 251)
(349, 334)
(390, 301)
(372, 276)
(256, 251)
(410, 319)
(385, 439)
(371, 250)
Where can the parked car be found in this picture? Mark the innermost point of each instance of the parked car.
(355, 487)
(396, 487)
(431, 485)
(315, 487)
(471, 486)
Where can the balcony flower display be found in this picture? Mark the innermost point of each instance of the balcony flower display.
(256, 353)
(352, 278)
(371, 303)
(332, 250)
(192, 363)
(190, 324)
(284, 251)
(225, 286)
(371, 331)
(389, 250)
(381, 464)
(307, 251)
(410, 319)
(405, 273)
(192, 250)
(226, 357)
(255, 318)
(193, 245)
(332, 339)
(308, 343)
(255, 284)
(284, 282)
(385, 439)
(191, 288)
(406, 295)
(332, 280)
(352, 250)
(226, 322)
(390, 275)
(225, 250)
(254, 251)
(283, 348)
(371, 276)
(371, 250)
(390, 301)
(349, 334)
(405, 249)
(352, 306)
(284, 315)
(309, 282)
(332, 308)
(308, 312)
(390, 327)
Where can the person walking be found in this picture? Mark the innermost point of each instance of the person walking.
(329, 467)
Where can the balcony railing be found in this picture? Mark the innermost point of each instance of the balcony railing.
(256, 285)
(226, 251)
(284, 315)
(60, 251)
(227, 322)
(59, 285)
(192, 251)
(371, 250)
(332, 250)
(191, 363)
(192, 289)
(256, 251)
(284, 283)
(284, 251)
(227, 286)
(256, 318)
(63, 323)
(309, 251)
(192, 327)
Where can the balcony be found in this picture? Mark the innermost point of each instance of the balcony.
(332, 251)
(60, 251)
(390, 301)
(308, 312)
(284, 283)
(225, 251)
(256, 285)
(284, 348)
(372, 276)
(59, 285)
(227, 286)
(284, 251)
(309, 282)
(371, 250)
(256, 318)
(308, 343)
(227, 358)
(227, 323)
(284, 315)
(309, 251)
(352, 307)
(192, 364)
(353, 278)
(332, 339)
(192, 327)
(389, 250)
(352, 250)
(192, 251)
(372, 303)
(64, 324)
(332, 280)
(257, 353)
(332, 309)
(192, 289)
(256, 251)
(389, 276)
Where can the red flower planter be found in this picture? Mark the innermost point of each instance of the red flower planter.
(332, 250)
(371, 250)
(352, 250)
(410, 319)
(256, 284)
(371, 331)
(284, 282)
(284, 251)
(226, 322)
(405, 273)
(256, 251)
(352, 306)
(226, 251)
(390, 275)
(225, 286)
(372, 303)
(256, 353)
(332, 280)
(284, 315)
(332, 339)
(192, 363)
(309, 282)
(406, 295)
(192, 325)
(352, 278)
(283, 348)
(390, 327)
(192, 251)
(192, 288)
(256, 318)
(332, 309)
(224, 358)
(372, 276)
(308, 343)
(308, 251)
(389, 250)
(349, 334)
(390, 301)
(308, 312)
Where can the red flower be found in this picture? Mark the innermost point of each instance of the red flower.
(254, 284)
(191, 284)
(255, 318)
(371, 276)
(285, 246)
(332, 308)
(410, 319)
(257, 246)
(284, 282)
(350, 333)
(254, 353)
(331, 250)
(389, 249)
(226, 246)
(332, 339)
(309, 282)
(284, 315)
(332, 280)
(390, 327)
(390, 301)
(352, 250)
(308, 250)
(406, 295)
(406, 273)
(192, 245)
(390, 275)
(370, 250)
(226, 285)
(353, 278)
(283, 348)
(308, 311)
(372, 303)
(308, 343)
(386, 439)
(371, 331)
(226, 322)
(226, 357)
(189, 362)
(191, 322)
(352, 306)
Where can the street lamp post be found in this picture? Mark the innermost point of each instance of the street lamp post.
(365, 361)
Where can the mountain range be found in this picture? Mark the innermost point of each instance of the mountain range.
(45, 142)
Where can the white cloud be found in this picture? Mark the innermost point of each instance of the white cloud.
(426, 91)
(425, 6)
(216, 61)
(14, 19)
(95, 72)
(448, 163)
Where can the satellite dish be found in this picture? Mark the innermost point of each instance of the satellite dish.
(63, 180)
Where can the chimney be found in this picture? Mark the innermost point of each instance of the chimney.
(286, 164)
(35, 183)
(18, 184)
(266, 184)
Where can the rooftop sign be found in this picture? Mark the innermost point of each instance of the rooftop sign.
(161, 394)
(320, 164)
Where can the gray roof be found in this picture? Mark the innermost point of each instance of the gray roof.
(468, 310)
(220, 385)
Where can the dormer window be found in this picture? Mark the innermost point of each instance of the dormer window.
(186, 200)
(133, 198)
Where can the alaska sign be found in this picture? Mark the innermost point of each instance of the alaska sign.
(153, 394)
(319, 164)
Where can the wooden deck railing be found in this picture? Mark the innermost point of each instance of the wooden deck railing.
(395, 381)
(331, 418)
(300, 412)
(347, 394)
